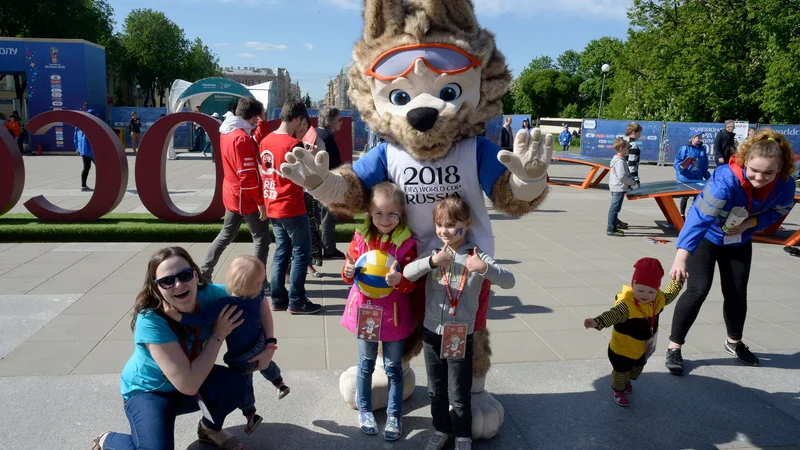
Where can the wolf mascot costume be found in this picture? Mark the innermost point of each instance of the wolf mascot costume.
(428, 78)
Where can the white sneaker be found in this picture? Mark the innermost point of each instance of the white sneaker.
(438, 441)
(463, 443)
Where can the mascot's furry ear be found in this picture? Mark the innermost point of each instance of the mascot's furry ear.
(381, 16)
(457, 14)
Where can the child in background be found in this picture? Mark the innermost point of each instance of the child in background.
(244, 282)
(456, 273)
(385, 230)
(691, 164)
(635, 321)
(632, 133)
(619, 182)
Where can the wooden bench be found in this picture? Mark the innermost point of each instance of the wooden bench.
(597, 165)
(665, 193)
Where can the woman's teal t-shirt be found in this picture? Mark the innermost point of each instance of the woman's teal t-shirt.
(141, 373)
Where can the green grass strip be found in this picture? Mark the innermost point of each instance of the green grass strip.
(127, 227)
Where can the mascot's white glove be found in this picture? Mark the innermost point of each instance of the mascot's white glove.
(313, 174)
(528, 164)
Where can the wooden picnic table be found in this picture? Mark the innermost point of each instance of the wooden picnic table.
(597, 165)
(665, 192)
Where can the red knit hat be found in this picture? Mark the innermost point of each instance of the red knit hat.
(648, 271)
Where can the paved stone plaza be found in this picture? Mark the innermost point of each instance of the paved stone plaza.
(65, 336)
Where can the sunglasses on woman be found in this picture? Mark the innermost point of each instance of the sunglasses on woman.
(168, 282)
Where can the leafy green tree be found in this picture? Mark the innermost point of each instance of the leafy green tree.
(200, 62)
(569, 62)
(156, 48)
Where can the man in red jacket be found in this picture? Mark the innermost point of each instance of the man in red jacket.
(241, 187)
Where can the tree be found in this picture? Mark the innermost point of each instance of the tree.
(200, 62)
(155, 48)
(91, 20)
(569, 61)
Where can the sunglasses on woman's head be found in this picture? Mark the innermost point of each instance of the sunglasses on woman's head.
(184, 276)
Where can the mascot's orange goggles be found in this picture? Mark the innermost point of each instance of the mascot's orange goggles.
(439, 58)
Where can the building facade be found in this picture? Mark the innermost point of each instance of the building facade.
(250, 76)
(337, 91)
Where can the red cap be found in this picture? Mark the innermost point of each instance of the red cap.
(648, 271)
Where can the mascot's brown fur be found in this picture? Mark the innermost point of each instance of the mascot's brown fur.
(517, 180)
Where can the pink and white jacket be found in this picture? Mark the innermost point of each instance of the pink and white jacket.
(396, 320)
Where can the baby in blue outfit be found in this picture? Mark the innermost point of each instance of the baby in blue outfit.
(244, 283)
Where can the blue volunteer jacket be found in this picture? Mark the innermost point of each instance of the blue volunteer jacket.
(81, 143)
(727, 189)
(565, 138)
(698, 171)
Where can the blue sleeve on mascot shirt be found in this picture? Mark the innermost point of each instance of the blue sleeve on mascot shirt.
(371, 168)
(489, 167)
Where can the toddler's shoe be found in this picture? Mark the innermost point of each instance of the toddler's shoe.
(629, 388)
(621, 398)
(366, 420)
(463, 443)
(252, 422)
(394, 428)
(438, 441)
(283, 391)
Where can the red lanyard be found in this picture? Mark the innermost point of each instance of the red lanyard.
(196, 346)
(652, 319)
(454, 301)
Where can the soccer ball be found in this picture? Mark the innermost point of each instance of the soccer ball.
(371, 270)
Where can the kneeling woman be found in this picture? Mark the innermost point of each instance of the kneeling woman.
(172, 369)
(759, 180)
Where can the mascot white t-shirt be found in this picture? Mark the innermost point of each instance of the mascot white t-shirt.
(469, 170)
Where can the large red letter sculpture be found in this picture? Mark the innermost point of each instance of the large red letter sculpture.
(12, 172)
(151, 173)
(109, 158)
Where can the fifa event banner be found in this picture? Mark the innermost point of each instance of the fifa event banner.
(597, 138)
(58, 74)
(121, 117)
(677, 134)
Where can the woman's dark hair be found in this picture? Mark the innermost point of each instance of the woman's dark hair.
(149, 298)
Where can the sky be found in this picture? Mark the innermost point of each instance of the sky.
(313, 39)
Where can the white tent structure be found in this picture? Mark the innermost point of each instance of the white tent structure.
(193, 94)
(265, 93)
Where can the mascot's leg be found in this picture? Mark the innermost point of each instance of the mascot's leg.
(487, 413)
(412, 346)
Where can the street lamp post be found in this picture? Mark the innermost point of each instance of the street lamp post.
(605, 70)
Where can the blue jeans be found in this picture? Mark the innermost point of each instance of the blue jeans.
(613, 212)
(393, 361)
(272, 373)
(152, 414)
(291, 234)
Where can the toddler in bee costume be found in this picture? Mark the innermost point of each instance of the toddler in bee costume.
(635, 321)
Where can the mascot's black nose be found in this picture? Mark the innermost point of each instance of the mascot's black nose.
(423, 119)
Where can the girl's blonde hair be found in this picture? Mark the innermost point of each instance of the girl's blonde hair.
(768, 144)
(241, 275)
(451, 208)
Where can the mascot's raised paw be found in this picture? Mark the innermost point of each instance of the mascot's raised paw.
(528, 163)
(304, 169)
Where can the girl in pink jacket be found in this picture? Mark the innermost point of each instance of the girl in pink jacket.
(386, 319)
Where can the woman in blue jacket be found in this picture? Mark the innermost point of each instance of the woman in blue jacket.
(691, 164)
(757, 178)
(84, 149)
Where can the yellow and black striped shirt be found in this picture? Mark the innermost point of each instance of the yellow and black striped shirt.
(631, 327)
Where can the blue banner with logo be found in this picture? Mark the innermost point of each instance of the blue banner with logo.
(121, 117)
(792, 133)
(597, 138)
(677, 135)
(61, 75)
